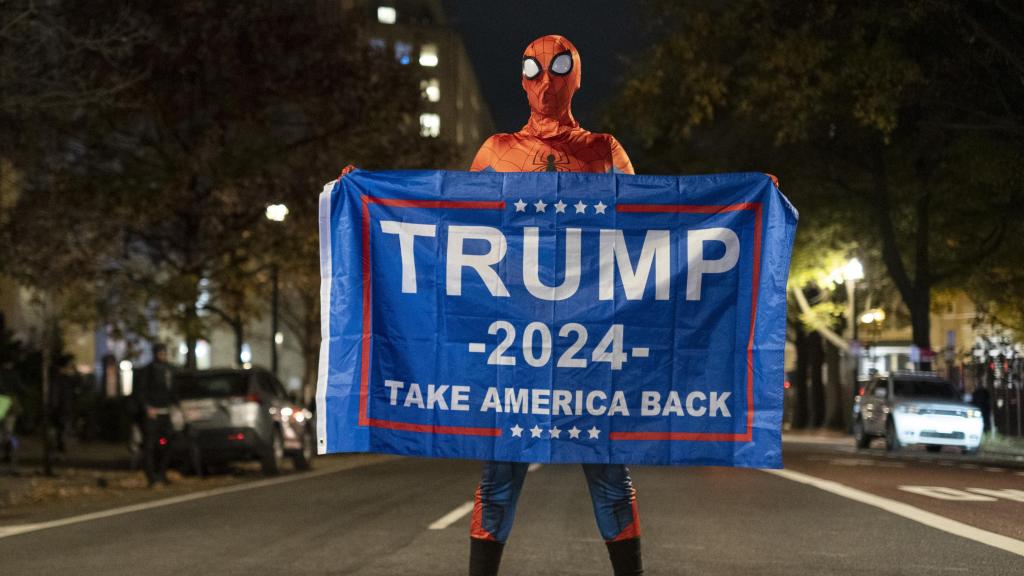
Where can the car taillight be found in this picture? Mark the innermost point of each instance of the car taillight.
(163, 441)
(253, 398)
(237, 436)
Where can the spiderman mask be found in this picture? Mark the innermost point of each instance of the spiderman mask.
(551, 75)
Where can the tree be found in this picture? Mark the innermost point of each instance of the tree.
(54, 238)
(894, 120)
(223, 101)
(53, 247)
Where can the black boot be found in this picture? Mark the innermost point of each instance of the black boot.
(484, 557)
(626, 557)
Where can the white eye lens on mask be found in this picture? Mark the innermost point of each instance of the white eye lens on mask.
(561, 64)
(530, 68)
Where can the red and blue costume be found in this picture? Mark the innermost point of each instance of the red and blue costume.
(552, 140)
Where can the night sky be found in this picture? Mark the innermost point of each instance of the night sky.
(495, 34)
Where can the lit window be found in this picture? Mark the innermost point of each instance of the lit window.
(403, 52)
(430, 125)
(386, 15)
(431, 89)
(428, 55)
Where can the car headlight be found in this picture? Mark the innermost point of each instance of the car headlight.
(974, 413)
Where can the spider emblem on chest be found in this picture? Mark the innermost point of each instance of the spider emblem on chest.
(549, 160)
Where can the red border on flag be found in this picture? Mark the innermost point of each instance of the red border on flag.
(365, 420)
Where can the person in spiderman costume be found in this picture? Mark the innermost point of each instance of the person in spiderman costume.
(553, 141)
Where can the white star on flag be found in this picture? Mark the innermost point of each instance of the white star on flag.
(517, 431)
(520, 205)
(581, 208)
(540, 205)
(535, 431)
(555, 432)
(560, 207)
(593, 432)
(599, 207)
(574, 432)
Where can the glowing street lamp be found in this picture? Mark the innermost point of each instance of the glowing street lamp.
(275, 213)
(873, 316)
(853, 270)
(848, 274)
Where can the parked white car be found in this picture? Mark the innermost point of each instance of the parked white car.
(916, 408)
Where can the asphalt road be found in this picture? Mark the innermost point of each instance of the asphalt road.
(374, 519)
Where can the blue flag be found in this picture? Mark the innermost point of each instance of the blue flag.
(554, 317)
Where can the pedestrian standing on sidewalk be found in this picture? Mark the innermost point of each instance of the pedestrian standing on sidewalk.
(983, 400)
(154, 396)
(62, 400)
(10, 390)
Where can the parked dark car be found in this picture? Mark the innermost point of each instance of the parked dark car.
(233, 415)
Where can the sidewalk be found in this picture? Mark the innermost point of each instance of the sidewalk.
(94, 476)
(1000, 450)
(96, 455)
(86, 470)
(1005, 447)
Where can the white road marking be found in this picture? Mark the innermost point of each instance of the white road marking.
(452, 517)
(467, 507)
(993, 469)
(907, 511)
(16, 529)
(1004, 493)
(943, 493)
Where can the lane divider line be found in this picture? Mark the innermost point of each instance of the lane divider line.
(452, 517)
(465, 508)
(17, 529)
(907, 511)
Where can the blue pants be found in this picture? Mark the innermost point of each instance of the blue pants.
(611, 491)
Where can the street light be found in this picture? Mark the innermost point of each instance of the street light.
(853, 270)
(275, 213)
(848, 274)
(872, 316)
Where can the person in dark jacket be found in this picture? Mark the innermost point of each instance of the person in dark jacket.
(10, 387)
(983, 400)
(62, 402)
(155, 398)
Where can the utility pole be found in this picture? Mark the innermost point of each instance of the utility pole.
(275, 213)
(275, 296)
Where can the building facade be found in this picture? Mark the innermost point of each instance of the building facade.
(416, 34)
